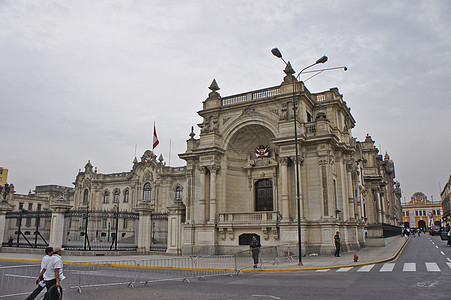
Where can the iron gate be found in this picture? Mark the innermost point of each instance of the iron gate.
(29, 229)
(100, 230)
(159, 241)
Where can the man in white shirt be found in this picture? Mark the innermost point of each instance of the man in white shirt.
(39, 281)
(54, 269)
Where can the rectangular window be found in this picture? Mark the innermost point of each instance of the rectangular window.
(20, 205)
(39, 206)
(416, 213)
(125, 223)
(104, 223)
(30, 206)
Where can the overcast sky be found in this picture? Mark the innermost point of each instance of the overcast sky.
(85, 80)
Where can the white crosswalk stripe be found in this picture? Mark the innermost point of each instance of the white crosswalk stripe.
(387, 267)
(432, 267)
(366, 268)
(344, 269)
(409, 267)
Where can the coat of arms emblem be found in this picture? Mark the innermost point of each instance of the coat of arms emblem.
(262, 151)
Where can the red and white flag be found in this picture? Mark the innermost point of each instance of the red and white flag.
(155, 138)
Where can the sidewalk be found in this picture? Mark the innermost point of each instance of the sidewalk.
(368, 255)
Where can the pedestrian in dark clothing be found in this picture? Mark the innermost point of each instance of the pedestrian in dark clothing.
(337, 244)
(40, 280)
(255, 246)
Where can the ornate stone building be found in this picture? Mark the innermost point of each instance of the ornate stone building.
(380, 193)
(235, 191)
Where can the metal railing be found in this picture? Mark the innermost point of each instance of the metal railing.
(18, 280)
(268, 255)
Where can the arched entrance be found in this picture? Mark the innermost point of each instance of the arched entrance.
(422, 225)
(263, 195)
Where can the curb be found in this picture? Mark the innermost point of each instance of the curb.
(392, 258)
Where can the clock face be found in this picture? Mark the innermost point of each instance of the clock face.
(147, 159)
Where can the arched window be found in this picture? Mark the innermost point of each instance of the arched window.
(116, 197)
(147, 192)
(126, 195)
(106, 195)
(178, 193)
(85, 196)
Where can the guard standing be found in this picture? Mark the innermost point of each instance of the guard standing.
(337, 244)
(254, 246)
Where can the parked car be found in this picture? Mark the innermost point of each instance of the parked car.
(434, 230)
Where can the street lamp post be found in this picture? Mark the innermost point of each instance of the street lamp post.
(321, 60)
(117, 225)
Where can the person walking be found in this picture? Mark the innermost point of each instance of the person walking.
(337, 244)
(40, 280)
(54, 269)
(255, 246)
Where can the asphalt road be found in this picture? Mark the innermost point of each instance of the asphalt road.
(422, 271)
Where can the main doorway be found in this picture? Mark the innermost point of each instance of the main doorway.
(263, 195)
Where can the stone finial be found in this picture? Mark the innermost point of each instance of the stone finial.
(192, 134)
(214, 86)
(386, 157)
(161, 159)
(88, 166)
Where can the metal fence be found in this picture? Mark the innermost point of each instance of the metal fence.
(82, 274)
(268, 255)
(26, 228)
(100, 230)
(18, 280)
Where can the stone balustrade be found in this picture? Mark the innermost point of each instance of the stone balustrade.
(251, 217)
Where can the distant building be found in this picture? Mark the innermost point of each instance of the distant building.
(445, 196)
(419, 212)
(29, 221)
(3, 176)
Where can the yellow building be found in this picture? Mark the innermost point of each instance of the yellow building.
(446, 204)
(3, 176)
(419, 212)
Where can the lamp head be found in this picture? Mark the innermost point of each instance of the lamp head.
(276, 53)
(345, 68)
(322, 60)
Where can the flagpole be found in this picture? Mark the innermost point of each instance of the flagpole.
(170, 144)
(153, 139)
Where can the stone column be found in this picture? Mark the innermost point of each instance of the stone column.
(201, 217)
(59, 207)
(144, 227)
(213, 170)
(176, 217)
(4, 208)
(301, 197)
(284, 180)
(351, 199)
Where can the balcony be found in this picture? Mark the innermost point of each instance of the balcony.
(251, 218)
